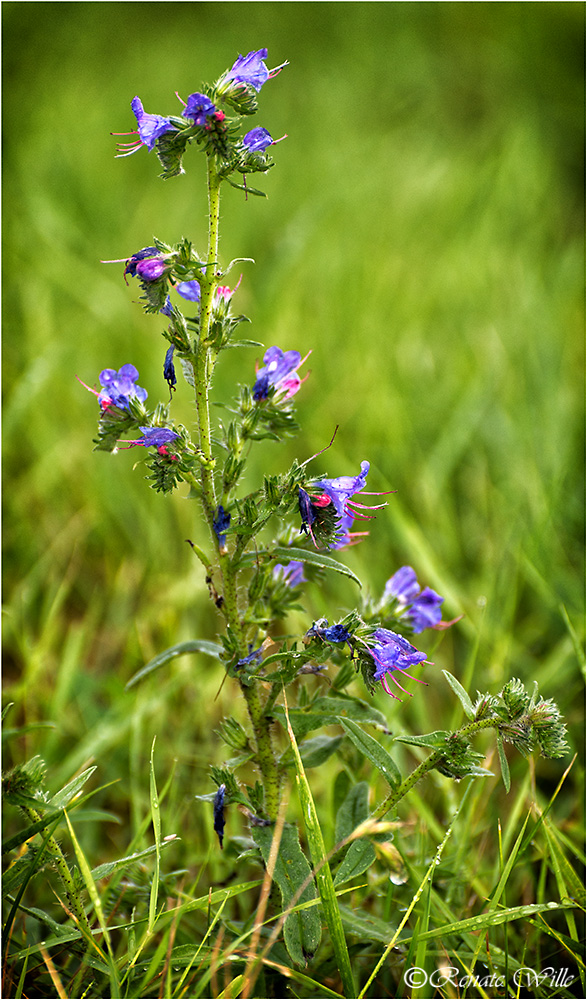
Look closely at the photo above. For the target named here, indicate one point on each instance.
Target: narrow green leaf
(323, 875)
(29, 831)
(191, 646)
(373, 751)
(503, 762)
(433, 740)
(97, 902)
(286, 552)
(102, 871)
(69, 791)
(156, 818)
(302, 931)
(461, 695)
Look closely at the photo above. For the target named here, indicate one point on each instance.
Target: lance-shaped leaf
(373, 751)
(191, 646)
(302, 930)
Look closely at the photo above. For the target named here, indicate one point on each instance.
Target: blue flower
(254, 657)
(293, 573)
(219, 813)
(155, 437)
(278, 373)
(150, 128)
(220, 523)
(169, 367)
(199, 108)
(118, 387)
(189, 290)
(420, 607)
(250, 70)
(258, 139)
(167, 308)
(392, 652)
(330, 633)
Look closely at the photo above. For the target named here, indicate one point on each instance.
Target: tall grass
(424, 237)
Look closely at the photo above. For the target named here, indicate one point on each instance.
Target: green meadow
(423, 236)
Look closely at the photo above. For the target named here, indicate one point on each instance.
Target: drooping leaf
(191, 646)
(285, 552)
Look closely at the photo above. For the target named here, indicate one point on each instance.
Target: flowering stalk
(203, 367)
(255, 578)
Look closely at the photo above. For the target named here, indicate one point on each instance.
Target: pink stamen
(368, 493)
(385, 686)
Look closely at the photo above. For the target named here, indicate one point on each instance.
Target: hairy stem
(65, 876)
(397, 794)
(203, 367)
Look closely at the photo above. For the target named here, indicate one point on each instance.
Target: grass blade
(322, 872)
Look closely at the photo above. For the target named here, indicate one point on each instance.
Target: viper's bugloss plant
(267, 543)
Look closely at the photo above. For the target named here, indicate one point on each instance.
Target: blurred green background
(423, 235)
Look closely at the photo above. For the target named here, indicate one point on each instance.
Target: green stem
(64, 873)
(397, 794)
(203, 366)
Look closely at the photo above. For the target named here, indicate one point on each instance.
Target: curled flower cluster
(247, 75)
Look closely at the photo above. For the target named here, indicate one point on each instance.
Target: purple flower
(220, 523)
(133, 262)
(403, 586)
(118, 387)
(278, 373)
(155, 437)
(258, 139)
(169, 367)
(392, 652)
(150, 128)
(199, 108)
(189, 290)
(293, 573)
(250, 69)
(151, 269)
(341, 491)
(420, 607)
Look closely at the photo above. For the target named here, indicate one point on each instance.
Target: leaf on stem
(191, 646)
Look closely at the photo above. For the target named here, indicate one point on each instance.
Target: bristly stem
(397, 794)
(205, 358)
(62, 869)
